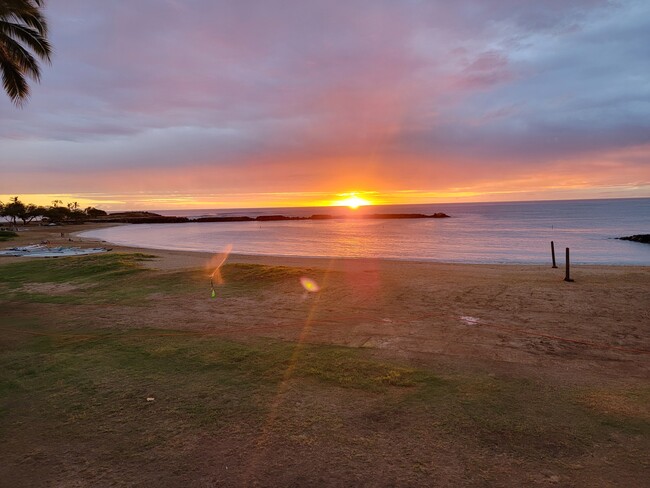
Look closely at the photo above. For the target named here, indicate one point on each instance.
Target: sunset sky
(160, 104)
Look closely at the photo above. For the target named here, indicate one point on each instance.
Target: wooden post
(567, 277)
(553, 254)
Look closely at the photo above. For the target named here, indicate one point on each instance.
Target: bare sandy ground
(503, 321)
(517, 318)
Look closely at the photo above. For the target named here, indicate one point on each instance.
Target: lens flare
(309, 284)
(216, 262)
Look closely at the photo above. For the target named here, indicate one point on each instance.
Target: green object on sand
(214, 294)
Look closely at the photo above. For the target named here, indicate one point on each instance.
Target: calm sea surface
(476, 233)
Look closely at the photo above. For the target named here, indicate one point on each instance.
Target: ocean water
(476, 233)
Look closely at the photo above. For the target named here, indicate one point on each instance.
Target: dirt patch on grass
(631, 404)
(54, 288)
(522, 317)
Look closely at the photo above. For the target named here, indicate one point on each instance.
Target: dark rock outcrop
(152, 218)
(643, 238)
(405, 216)
(272, 218)
(131, 215)
(157, 220)
(139, 218)
(224, 219)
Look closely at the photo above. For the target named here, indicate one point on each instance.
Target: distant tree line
(57, 212)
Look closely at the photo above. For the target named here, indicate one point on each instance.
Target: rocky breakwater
(438, 215)
(153, 218)
(140, 218)
(271, 218)
(643, 238)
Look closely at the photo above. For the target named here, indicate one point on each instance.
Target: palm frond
(9, 6)
(32, 38)
(28, 16)
(23, 28)
(14, 82)
(20, 57)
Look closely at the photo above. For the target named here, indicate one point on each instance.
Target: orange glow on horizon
(530, 187)
(352, 201)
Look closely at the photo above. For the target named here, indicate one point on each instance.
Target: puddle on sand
(467, 320)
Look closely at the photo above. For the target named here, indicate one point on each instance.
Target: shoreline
(329, 258)
(512, 314)
(186, 259)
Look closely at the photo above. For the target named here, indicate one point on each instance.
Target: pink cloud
(282, 95)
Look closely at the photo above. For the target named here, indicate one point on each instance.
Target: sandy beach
(515, 316)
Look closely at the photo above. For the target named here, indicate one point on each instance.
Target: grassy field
(74, 408)
(7, 235)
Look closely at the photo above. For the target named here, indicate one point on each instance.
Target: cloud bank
(207, 97)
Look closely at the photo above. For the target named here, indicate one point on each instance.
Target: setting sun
(353, 201)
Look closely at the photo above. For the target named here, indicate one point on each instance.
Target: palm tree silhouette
(23, 28)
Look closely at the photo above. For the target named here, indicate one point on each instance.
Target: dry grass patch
(633, 404)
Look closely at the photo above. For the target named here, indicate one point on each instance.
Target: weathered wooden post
(567, 277)
(553, 254)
